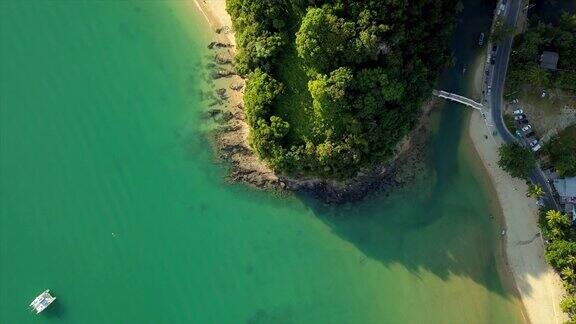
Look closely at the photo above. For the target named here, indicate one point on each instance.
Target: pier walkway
(458, 98)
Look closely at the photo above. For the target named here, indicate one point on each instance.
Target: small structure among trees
(566, 189)
(549, 60)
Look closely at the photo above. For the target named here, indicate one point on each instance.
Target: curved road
(497, 79)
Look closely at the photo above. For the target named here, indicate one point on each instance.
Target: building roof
(566, 187)
(549, 60)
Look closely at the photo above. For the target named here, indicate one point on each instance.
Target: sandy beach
(232, 141)
(215, 13)
(538, 285)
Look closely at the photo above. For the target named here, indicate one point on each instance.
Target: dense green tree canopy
(562, 152)
(334, 85)
(516, 160)
(524, 61)
(559, 252)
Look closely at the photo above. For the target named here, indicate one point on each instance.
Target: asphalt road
(498, 77)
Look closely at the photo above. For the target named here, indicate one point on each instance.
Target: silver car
(527, 128)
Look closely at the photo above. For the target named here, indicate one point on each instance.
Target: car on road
(527, 128)
(519, 117)
(489, 89)
(518, 112)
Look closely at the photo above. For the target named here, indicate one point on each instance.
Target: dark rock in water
(213, 112)
(222, 59)
(377, 179)
(216, 102)
(222, 74)
(229, 128)
(222, 94)
(207, 95)
(219, 45)
(223, 45)
(223, 29)
(237, 86)
(224, 117)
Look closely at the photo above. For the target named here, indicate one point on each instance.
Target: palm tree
(557, 219)
(568, 274)
(568, 304)
(568, 286)
(535, 191)
(556, 233)
(571, 260)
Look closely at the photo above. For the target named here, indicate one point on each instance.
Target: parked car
(518, 133)
(527, 128)
(536, 148)
(518, 112)
(519, 117)
(530, 134)
(515, 101)
(533, 143)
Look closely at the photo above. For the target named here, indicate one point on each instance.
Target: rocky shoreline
(230, 141)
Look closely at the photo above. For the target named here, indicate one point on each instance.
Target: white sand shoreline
(538, 285)
(214, 11)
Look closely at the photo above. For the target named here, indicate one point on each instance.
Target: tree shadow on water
(424, 233)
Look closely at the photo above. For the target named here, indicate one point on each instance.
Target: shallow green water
(109, 195)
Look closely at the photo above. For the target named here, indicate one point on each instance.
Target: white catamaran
(42, 301)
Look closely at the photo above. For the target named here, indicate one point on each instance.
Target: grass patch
(551, 105)
(295, 104)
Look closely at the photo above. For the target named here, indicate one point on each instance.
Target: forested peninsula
(333, 86)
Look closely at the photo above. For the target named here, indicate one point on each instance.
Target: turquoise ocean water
(110, 197)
